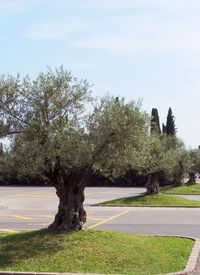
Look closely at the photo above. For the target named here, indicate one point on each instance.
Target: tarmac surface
(27, 208)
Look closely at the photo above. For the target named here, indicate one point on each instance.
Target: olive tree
(195, 164)
(182, 167)
(164, 155)
(39, 115)
(53, 137)
(117, 131)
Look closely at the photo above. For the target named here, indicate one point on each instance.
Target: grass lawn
(191, 189)
(152, 200)
(93, 252)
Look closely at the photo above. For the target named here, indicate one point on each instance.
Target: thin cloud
(118, 5)
(61, 29)
(47, 31)
(141, 33)
(176, 42)
(12, 7)
(157, 37)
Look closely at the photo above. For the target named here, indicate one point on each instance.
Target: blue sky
(147, 49)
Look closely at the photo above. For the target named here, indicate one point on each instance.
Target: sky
(137, 49)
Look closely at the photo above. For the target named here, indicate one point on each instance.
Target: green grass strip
(93, 252)
(192, 189)
(152, 200)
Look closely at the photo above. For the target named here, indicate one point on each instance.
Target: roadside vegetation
(191, 189)
(93, 252)
(152, 200)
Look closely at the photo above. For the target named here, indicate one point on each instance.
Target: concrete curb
(189, 269)
(182, 194)
(149, 206)
(47, 273)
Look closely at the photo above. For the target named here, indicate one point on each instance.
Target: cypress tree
(155, 122)
(163, 128)
(170, 125)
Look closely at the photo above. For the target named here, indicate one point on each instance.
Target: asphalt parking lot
(28, 208)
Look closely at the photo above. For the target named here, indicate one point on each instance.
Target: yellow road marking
(38, 224)
(8, 230)
(21, 217)
(95, 219)
(6, 219)
(89, 218)
(30, 196)
(107, 220)
(40, 193)
(16, 230)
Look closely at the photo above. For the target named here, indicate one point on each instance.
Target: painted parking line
(100, 221)
(88, 218)
(95, 219)
(7, 218)
(30, 196)
(14, 217)
(108, 219)
(48, 216)
(6, 230)
(15, 230)
(36, 195)
(43, 224)
(19, 217)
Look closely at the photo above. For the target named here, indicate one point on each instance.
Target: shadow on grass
(135, 198)
(128, 200)
(22, 246)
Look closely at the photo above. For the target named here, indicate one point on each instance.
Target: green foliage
(43, 113)
(195, 159)
(117, 131)
(166, 155)
(47, 119)
(159, 157)
(163, 128)
(155, 122)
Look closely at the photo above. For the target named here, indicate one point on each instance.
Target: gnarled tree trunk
(192, 178)
(70, 190)
(178, 181)
(152, 184)
(178, 178)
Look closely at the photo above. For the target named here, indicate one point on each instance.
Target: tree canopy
(155, 122)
